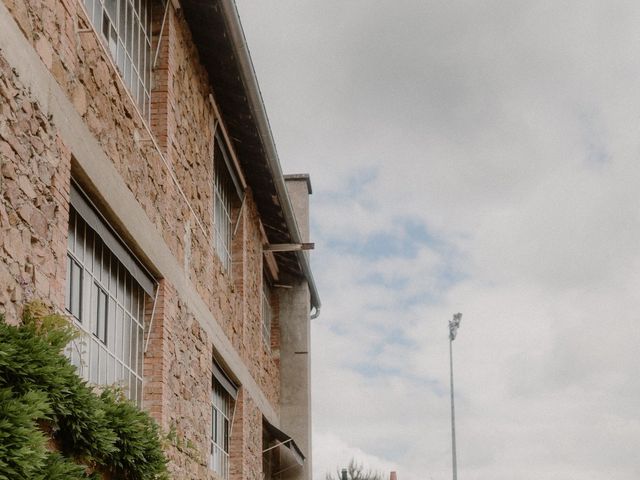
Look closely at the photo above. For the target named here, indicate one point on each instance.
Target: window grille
(221, 412)
(107, 304)
(223, 190)
(125, 29)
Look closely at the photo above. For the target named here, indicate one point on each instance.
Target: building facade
(141, 194)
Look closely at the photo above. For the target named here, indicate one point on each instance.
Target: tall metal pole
(453, 329)
(453, 414)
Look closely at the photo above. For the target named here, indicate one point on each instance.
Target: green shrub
(42, 397)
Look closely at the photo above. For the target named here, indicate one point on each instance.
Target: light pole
(453, 330)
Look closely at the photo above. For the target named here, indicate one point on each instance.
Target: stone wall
(167, 165)
(34, 200)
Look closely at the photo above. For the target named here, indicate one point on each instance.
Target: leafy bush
(43, 400)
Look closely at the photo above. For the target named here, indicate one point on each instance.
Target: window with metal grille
(107, 304)
(223, 189)
(221, 413)
(125, 28)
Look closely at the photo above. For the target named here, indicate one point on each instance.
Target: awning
(106, 233)
(225, 381)
(284, 442)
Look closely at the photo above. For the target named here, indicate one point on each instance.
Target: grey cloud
(510, 129)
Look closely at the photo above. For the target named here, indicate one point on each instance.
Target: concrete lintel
(20, 54)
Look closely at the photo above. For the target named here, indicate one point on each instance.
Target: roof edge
(256, 104)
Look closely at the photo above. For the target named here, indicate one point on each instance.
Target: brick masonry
(167, 165)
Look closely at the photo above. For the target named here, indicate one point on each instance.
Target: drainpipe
(264, 130)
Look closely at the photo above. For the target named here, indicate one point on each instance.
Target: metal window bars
(108, 305)
(125, 28)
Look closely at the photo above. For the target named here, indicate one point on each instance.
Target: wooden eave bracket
(272, 266)
(288, 247)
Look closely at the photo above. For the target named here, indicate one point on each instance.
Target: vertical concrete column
(295, 368)
(299, 188)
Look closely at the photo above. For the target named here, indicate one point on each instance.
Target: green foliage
(59, 467)
(42, 396)
(22, 447)
(139, 450)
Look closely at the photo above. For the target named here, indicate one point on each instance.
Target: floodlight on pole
(454, 324)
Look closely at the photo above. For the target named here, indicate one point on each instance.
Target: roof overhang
(219, 38)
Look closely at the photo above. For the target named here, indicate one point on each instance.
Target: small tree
(355, 471)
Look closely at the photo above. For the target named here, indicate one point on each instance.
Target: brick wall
(167, 165)
(246, 441)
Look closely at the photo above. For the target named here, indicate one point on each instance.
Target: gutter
(256, 104)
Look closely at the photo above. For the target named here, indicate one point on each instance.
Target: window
(266, 312)
(220, 414)
(125, 29)
(106, 301)
(223, 395)
(222, 203)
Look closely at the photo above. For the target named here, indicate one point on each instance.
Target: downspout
(264, 129)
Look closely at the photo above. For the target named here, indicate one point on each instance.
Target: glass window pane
(127, 71)
(141, 93)
(111, 370)
(76, 290)
(80, 234)
(67, 293)
(120, 330)
(112, 263)
(140, 350)
(111, 325)
(138, 396)
(134, 301)
(89, 250)
(120, 375)
(126, 341)
(128, 285)
(130, 31)
(121, 281)
(93, 308)
(71, 237)
(102, 365)
(101, 321)
(135, 47)
(98, 267)
(106, 24)
(132, 386)
(94, 365)
(133, 362)
(113, 41)
(122, 20)
(121, 56)
(111, 7)
(97, 14)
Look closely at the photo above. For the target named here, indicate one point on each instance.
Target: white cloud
(509, 133)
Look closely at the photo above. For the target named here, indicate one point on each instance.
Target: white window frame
(124, 26)
(226, 191)
(105, 297)
(221, 418)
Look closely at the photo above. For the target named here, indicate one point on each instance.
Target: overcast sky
(472, 156)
